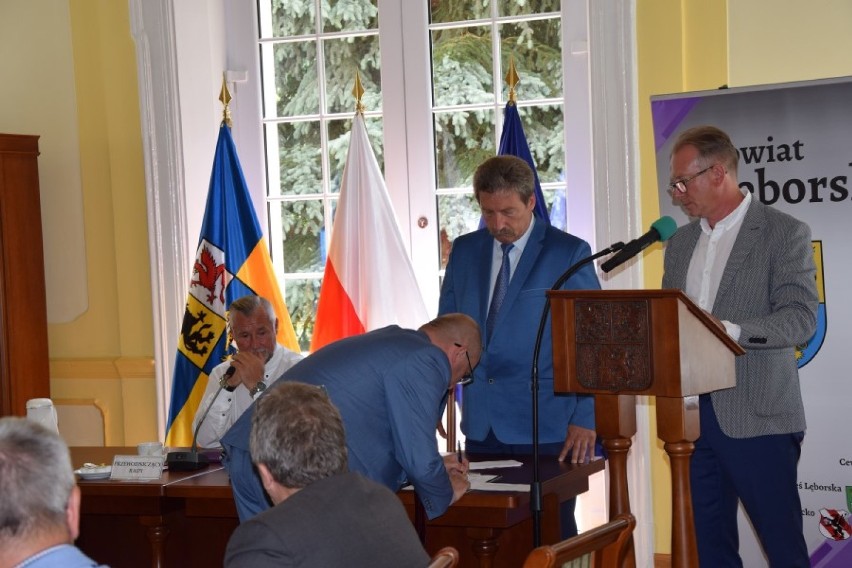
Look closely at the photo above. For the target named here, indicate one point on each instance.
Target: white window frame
(183, 46)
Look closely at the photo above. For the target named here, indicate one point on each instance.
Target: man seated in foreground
(389, 385)
(324, 515)
(40, 503)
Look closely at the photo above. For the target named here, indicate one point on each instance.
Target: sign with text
(137, 467)
(794, 143)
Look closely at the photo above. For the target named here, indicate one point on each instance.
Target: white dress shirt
(230, 405)
(709, 259)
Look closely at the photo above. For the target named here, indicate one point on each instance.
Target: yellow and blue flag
(232, 260)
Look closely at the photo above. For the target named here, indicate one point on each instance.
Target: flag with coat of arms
(232, 260)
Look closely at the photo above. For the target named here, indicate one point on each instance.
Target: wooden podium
(617, 344)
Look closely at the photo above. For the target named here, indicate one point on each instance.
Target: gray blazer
(768, 288)
(343, 520)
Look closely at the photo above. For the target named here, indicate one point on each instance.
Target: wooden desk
(186, 518)
(494, 528)
(147, 523)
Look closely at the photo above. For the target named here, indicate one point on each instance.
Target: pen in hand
(459, 452)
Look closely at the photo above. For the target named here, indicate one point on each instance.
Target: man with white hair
(40, 507)
(258, 363)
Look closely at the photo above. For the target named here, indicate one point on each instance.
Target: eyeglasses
(679, 186)
(468, 378)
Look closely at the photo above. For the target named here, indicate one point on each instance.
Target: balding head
(457, 335)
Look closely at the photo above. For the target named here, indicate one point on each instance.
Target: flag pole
(358, 92)
(225, 97)
(512, 79)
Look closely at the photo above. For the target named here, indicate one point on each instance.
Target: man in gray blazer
(751, 267)
(324, 515)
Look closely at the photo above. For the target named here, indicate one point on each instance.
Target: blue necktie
(500, 288)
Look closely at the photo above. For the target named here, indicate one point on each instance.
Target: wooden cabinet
(24, 367)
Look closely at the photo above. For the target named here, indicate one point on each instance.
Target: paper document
(474, 466)
(483, 482)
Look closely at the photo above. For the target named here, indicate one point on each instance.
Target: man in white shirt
(258, 363)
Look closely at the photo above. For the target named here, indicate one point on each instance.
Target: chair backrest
(601, 547)
(447, 557)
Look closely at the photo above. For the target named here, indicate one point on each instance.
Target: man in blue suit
(752, 268)
(389, 385)
(496, 409)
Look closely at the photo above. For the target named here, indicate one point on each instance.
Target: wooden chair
(447, 557)
(600, 547)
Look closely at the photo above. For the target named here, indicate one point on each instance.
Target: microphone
(230, 372)
(661, 230)
(192, 460)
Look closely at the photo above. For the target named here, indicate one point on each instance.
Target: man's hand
(457, 471)
(251, 369)
(460, 484)
(580, 442)
(452, 463)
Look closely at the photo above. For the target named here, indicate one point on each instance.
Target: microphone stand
(192, 460)
(535, 486)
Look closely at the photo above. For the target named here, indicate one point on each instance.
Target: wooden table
(154, 523)
(494, 528)
(186, 518)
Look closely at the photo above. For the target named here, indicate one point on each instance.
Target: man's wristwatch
(223, 382)
(259, 387)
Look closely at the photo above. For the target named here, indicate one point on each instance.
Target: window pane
(554, 198)
(518, 7)
(458, 214)
(461, 66)
(343, 56)
(458, 10)
(301, 297)
(463, 140)
(536, 48)
(293, 17)
(295, 75)
(299, 158)
(543, 129)
(340, 15)
(303, 224)
(339, 134)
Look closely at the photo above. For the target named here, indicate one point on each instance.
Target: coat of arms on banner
(834, 524)
(807, 351)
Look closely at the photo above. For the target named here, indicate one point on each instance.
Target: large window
(472, 44)
(310, 51)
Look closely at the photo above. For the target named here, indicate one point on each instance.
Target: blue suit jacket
(389, 385)
(499, 398)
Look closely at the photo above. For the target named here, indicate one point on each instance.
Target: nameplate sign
(137, 467)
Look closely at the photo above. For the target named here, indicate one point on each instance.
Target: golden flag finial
(358, 92)
(225, 97)
(512, 79)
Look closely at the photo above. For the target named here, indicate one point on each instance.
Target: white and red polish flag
(368, 282)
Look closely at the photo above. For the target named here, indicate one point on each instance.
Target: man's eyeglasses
(679, 186)
(468, 378)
